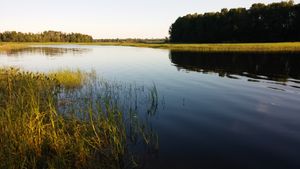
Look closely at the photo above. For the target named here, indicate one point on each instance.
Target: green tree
(260, 23)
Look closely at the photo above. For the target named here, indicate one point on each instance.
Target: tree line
(46, 36)
(276, 22)
(132, 40)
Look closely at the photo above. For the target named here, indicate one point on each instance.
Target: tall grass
(57, 121)
(70, 79)
(4, 46)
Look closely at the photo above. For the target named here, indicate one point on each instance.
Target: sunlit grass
(12, 46)
(38, 132)
(215, 47)
(70, 78)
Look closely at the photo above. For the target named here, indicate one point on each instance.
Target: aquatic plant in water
(71, 119)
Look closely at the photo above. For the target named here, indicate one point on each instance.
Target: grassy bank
(226, 47)
(54, 121)
(220, 48)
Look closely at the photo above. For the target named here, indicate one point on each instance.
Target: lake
(215, 110)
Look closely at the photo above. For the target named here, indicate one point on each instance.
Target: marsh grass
(208, 48)
(12, 46)
(70, 79)
(216, 47)
(59, 120)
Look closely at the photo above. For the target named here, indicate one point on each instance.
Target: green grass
(43, 127)
(12, 46)
(222, 47)
(70, 79)
(217, 47)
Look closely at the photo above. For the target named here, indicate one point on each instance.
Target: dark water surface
(218, 110)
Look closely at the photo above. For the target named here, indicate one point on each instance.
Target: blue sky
(106, 18)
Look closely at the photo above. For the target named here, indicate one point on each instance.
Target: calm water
(218, 110)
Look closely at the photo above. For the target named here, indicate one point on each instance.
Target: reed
(43, 126)
(70, 79)
(5, 46)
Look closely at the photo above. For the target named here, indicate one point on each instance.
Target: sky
(107, 18)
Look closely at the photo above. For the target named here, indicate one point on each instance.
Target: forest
(276, 22)
(46, 36)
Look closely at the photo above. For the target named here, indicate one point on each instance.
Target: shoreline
(280, 47)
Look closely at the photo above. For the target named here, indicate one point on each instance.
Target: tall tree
(260, 23)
